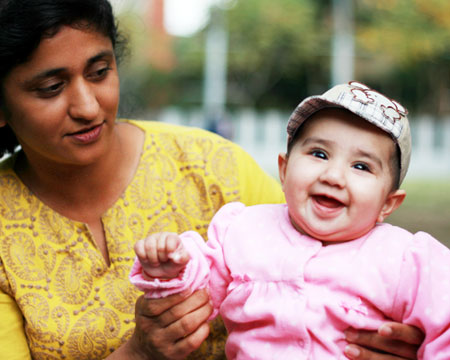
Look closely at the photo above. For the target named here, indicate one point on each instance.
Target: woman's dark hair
(24, 23)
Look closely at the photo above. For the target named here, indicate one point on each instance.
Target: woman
(83, 188)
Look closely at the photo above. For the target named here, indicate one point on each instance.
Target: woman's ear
(393, 201)
(282, 165)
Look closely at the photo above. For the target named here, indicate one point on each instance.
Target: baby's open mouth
(327, 201)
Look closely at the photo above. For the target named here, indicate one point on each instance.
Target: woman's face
(62, 103)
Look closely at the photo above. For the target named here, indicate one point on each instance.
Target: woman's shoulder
(8, 177)
(158, 128)
(187, 144)
(16, 201)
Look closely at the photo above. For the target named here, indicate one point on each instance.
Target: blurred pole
(215, 70)
(343, 48)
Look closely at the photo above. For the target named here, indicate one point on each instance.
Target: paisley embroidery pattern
(13, 197)
(89, 336)
(170, 222)
(73, 282)
(191, 194)
(55, 228)
(19, 251)
(221, 167)
(117, 288)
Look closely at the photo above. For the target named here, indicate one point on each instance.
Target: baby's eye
(319, 154)
(361, 166)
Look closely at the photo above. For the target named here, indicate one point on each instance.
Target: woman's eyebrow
(101, 55)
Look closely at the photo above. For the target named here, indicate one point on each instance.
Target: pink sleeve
(207, 267)
(194, 276)
(423, 297)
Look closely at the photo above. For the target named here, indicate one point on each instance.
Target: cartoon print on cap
(392, 110)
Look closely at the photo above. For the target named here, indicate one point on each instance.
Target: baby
(289, 279)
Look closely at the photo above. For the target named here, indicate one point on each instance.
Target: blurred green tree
(277, 51)
(404, 45)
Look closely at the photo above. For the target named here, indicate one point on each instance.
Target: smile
(328, 202)
(326, 206)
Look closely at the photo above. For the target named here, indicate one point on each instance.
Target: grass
(426, 208)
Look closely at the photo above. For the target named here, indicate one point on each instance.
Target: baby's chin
(328, 236)
(335, 237)
(328, 233)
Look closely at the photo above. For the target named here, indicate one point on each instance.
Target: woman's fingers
(373, 346)
(172, 309)
(360, 353)
(179, 312)
(191, 342)
(194, 329)
(402, 332)
(173, 327)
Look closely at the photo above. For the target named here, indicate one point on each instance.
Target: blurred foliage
(146, 85)
(280, 52)
(276, 52)
(404, 31)
(403, 48)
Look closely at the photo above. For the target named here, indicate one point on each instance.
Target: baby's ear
(282, 164)
(393, 201)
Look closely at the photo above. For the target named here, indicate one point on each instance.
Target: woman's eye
(100, 73)
(50, 90)
(361, 166)
(319, 154)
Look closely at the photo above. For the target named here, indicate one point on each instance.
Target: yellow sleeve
(257, 187)
(13, 342)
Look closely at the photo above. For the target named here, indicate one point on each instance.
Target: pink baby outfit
(283, 295)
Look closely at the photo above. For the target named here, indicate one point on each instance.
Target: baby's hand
(162, 255)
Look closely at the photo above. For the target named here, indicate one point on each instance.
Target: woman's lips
(89, 135)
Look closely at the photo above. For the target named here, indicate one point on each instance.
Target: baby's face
(337, 178)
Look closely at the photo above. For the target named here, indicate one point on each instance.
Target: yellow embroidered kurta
(58, 298)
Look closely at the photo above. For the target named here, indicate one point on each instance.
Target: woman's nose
(83, 103)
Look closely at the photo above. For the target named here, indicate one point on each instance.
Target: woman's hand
(393, 341)
(168, 328)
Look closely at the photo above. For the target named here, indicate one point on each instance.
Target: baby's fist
(162, 255)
